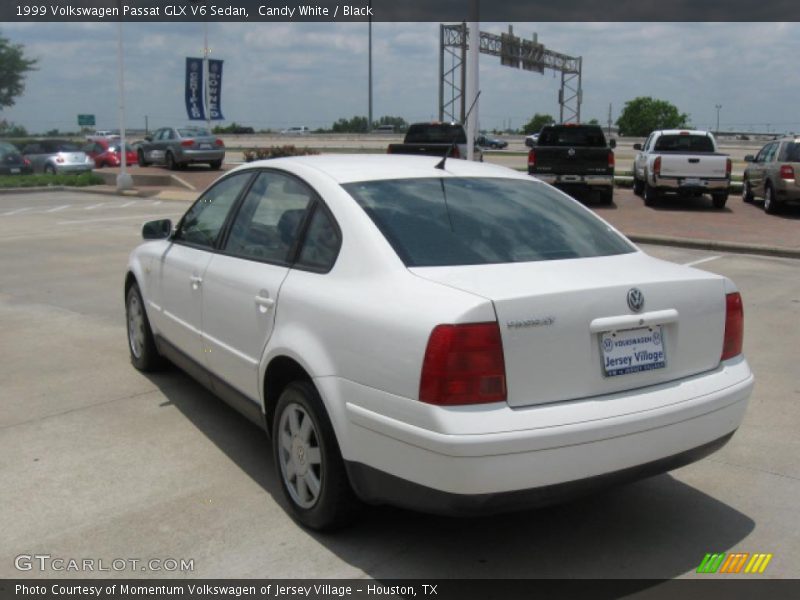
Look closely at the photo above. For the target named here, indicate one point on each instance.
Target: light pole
(124, 180)
(718, 107)
(369, 117)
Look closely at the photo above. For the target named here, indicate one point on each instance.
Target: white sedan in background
(456, 338)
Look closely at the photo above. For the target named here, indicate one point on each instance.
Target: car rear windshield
(572, 136)
(435, 133)
(193, 132)
(435, 222)
(7, 150)
(684, 143)
(791, 152)
(66, 147)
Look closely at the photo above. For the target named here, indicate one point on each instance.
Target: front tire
(747, 192)
(308, 461)
(141, 343)
(141, 159)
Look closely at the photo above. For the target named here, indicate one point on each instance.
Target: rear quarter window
(471, 221)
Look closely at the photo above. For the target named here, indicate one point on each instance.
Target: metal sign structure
(514, 52)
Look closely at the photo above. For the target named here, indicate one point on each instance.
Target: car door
(758, 176)
(242, 283)
(640, 161)
(182, 267)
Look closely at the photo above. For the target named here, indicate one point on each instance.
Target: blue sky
(284, 74)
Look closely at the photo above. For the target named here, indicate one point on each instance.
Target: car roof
(682, 131)
(347, 168)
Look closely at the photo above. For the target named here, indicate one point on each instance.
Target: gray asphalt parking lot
(99, 461)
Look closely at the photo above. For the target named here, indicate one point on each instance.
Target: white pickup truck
(684, 162)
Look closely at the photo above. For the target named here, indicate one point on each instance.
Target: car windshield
(472, 221)
(7, 150)
(436, 133)
(188, 132)
(572, 136)
(684, 143)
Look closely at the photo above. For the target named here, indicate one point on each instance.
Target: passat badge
(635, 299)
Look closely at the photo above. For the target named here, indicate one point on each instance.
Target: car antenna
(440, 164)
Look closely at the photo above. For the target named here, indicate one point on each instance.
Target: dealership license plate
(205, 146)
(14, 171)
(692, 182)
(633, 350)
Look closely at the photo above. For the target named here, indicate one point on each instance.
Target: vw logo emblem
(635, 299)
(571, 151)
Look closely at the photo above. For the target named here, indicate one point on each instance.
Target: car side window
(770, 152)
(204, 221)
(761, 154)
(647, 142)
(321, 244)
(269, 220)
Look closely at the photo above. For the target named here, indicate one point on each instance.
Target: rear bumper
(484, 450)
(587, 181)
(683, 185)
(376, 487)
(202, 155)
(79, 168)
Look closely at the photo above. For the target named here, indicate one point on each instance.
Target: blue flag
(194, 89)
(215, 90)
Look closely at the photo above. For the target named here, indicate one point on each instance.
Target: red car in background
(106, 153)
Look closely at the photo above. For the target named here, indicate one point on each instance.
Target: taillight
(26, 162)
(728, 167)
(187, 143)
(463, 365)
(734, 326)
(657, 166)
(219, 142)
(610, 159)
(531, 159)
(787, 172)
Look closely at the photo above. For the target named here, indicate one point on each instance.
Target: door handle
(264, 303)
(195, 281)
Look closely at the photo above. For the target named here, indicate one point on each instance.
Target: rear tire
(651, 195)
(141, 343)
(50, 170)
(215, 164)
(638, 185)
(607, 196)
(770, 206)
(308, 462)
(719, 200)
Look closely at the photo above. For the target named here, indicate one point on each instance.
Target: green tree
(354, 125)
(12, 129)
(399, 123)
(536, 123)
(645, 114)
(594, 122)
(13, 67)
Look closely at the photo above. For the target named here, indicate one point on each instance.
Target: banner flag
(194, 89)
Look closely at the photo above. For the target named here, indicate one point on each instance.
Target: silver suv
(772, 174)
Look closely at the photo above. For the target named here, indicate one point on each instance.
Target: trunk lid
(555, 315)
(700, 166)
(572, 161)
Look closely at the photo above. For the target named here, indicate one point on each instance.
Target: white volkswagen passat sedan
(455, 338)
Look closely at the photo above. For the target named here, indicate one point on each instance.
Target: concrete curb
(736, 247)
(87, 190)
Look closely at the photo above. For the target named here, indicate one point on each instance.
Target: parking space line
(93, 206)
(82, 221)
(157, 202)
(58, 208)
(17, 211)
(701, 261)
(127, 204)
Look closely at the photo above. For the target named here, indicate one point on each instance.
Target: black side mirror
(157, 230)
(749, 158)
(148, 138)
(612, 144)
(637, 146)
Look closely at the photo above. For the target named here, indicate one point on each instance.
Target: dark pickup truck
(576, 159)
(435, 139)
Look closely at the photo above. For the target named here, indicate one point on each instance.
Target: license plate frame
(628, 351)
